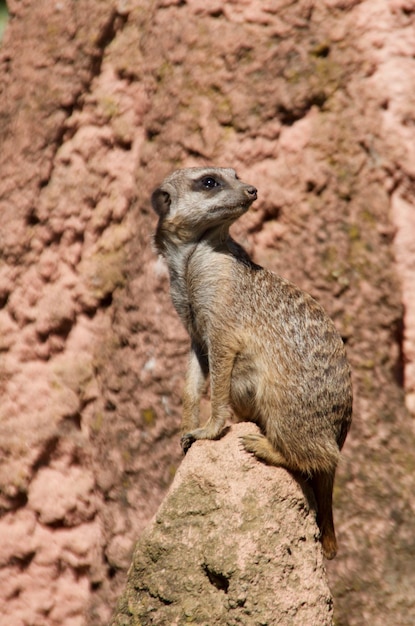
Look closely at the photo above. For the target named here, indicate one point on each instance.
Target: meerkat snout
(252, 192)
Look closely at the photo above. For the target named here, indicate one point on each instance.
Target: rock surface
(312, 102)
(234, 542)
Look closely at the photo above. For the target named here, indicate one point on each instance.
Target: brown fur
(273, 355)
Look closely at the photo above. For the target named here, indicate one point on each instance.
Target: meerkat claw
(186, 442)
(244, 446)
(250, 442)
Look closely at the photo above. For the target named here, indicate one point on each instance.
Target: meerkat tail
(323, 490)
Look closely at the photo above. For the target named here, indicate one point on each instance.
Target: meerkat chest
(208, 288)
(201, 288)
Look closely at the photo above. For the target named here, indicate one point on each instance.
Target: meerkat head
(196, 200)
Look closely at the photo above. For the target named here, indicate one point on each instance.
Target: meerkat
(271, 353)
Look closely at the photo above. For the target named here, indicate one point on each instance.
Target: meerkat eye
(210, 183)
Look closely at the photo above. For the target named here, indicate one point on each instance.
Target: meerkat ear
(160, 201)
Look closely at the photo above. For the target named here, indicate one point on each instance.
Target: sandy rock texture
(222, 551)
(312, 102)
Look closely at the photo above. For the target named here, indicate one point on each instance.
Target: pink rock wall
(388, 43)
(312, 103)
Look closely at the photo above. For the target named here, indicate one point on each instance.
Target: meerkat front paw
(210, 431)
(189, 438)
(186, 442)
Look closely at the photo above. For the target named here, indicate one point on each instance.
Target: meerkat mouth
(226, 209)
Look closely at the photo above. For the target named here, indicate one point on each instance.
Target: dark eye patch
(208, 183)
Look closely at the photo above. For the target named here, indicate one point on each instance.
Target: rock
(55, 312)
(234, 542)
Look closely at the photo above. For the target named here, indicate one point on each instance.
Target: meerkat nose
(252, 192)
